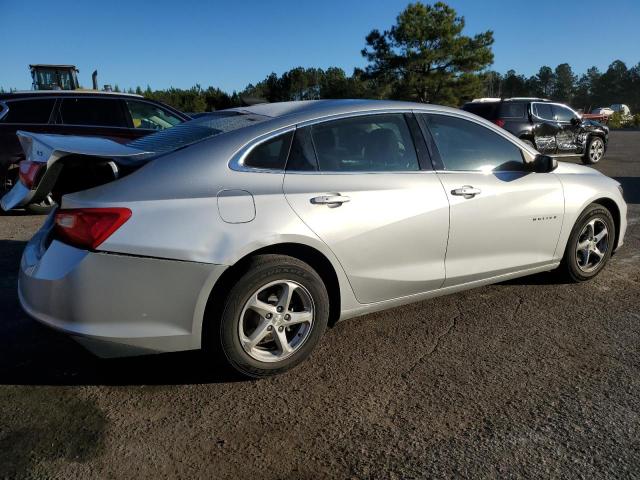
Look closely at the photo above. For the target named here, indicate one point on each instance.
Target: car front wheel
(273, 316)
(590, 244)
(594, 152)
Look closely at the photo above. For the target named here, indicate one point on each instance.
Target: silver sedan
(249, 233)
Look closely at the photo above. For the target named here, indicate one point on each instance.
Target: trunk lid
(86, 161)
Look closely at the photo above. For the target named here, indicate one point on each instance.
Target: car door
(365, 195)
(94, 116)
(503, 218)
(569, 128)
(545, 127)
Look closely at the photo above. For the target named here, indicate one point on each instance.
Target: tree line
(423, 57)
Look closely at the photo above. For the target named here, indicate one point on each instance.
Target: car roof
(480, 101)
(63, 93)
(302, 110)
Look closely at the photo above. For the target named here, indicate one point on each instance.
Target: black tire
(263, 270)
(570, 267)
(589, 157)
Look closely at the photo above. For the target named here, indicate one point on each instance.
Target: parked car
(118, 116)
(551, 128)
(605, 111)
(262, 229)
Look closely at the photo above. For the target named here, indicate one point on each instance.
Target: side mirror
(576, 121)
(544, 164)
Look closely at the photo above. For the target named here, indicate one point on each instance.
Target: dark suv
(552, 128)
(120, 117)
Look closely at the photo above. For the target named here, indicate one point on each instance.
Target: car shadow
(631, 187)
(32, 354)
(544, 278)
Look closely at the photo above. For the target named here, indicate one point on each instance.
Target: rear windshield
(194, 131)
(511, 110)
(482, 109)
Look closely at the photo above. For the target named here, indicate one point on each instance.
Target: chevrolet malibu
(248, 234)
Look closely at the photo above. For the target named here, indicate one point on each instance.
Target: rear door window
(29, 111)
(371, 143)
(302, 157)
(104, 112)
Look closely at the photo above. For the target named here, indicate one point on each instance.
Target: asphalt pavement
(530, 378)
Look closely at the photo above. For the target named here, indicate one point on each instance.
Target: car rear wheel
(590, 244)
(594, 152)
(273, 316)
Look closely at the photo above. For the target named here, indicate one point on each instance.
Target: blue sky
(229, 44)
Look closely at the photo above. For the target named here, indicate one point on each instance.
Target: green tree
(492, 84)
(514, 85)
(564, 84)
(583, 93)
(633, 98)
(614, 85)
(425, 57)
(544, 82)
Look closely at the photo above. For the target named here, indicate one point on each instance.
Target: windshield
(195, 130)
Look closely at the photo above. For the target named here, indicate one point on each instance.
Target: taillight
(89, 227)
(499, 122)
(29, 172)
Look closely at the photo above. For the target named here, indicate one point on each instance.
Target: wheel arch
(613, 208)
(310, 255)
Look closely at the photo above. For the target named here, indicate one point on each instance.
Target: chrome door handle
(466, 191)
(330, 200)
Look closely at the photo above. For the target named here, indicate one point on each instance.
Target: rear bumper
(116, 305)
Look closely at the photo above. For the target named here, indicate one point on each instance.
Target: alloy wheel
(596, 150)
(592, 245)
(276, 321)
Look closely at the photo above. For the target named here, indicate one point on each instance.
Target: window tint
(371, 143)
(302, 156)
(149, 116)
(93, 111)
(465, 145)
(562, 114)
(511, 110)
(271, 155)
(543, 110)
(482, 109)
(29, 111)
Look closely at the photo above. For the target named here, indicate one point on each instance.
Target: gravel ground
(524, 379)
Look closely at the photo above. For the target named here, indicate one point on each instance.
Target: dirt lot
(525, 379)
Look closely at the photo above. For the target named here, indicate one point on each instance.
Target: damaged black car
(552, 128)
